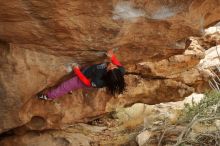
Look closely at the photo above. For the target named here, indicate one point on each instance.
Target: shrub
(207, 107)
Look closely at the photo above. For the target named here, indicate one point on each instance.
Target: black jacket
(96, 73)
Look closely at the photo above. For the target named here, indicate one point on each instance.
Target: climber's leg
(65, 87)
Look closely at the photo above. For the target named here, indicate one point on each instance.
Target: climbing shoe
(43, 96)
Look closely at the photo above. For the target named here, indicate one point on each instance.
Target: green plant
(207, 107)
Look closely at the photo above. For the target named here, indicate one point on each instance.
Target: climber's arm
(113, 58)
(115, 61)
(82, 77)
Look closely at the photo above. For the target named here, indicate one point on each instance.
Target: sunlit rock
(37, 38)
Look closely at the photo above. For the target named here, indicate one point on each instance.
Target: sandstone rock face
(38, 37)
(139, 123)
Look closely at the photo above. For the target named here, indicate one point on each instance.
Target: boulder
(38, 37)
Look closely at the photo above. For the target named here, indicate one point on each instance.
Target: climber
(108, 74)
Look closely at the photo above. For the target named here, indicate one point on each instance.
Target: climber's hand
(69, 67)
(110, 53)
(75, 65)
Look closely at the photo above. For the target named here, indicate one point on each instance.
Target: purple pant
(67, 86)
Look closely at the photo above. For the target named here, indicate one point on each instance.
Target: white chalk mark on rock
(126, 11)
(165, 12)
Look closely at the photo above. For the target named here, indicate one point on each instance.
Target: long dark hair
(115, 82)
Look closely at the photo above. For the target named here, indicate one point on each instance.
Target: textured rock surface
(121, 128)
(38, 37)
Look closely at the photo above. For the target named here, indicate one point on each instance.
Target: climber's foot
(43, 97)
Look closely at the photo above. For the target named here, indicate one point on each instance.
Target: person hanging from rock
(108, 74)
